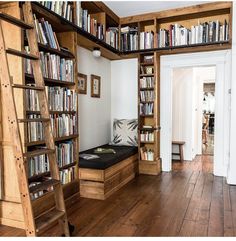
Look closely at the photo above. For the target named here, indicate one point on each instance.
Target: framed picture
(82, 83)
(95, 86)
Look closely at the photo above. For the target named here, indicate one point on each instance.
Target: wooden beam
(177, 12)
(107, 10)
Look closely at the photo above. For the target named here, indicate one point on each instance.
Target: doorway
(219, 59)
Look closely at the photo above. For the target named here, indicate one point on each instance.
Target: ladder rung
(15, 21)
(44, 185)
(22, 54)
(27, 87)
(48, 218)
(38, 152)
(33, 120)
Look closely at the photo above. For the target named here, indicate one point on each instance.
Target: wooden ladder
(33, 225)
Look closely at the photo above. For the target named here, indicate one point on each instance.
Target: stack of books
(147, 82)
(63, 8)
(147, 136)
(146, 40)
(146, 108)
(45, 34)
(206, 32)
(67, 175)
(59, 99)
(129, 38)
(65, 153)
(88, 23)
(112, 34)
(146, 95)
(147, 154)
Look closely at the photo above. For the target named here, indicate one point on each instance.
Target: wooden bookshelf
(151, 120)
(10, 198)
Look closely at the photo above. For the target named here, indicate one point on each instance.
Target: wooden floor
(190, 201)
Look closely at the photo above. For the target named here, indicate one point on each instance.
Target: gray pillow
(125, 132)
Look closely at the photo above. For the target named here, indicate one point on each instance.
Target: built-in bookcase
(59, 70)
(148, 109)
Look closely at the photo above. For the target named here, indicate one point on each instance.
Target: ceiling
(129, 8)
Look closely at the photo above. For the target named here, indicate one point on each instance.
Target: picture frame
(95, 86)
(82, 83)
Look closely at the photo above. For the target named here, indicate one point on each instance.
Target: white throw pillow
(125, 132)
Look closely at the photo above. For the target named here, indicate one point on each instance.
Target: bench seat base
(100, 184)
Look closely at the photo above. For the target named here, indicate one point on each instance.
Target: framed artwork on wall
(95, 86)
(82, 83)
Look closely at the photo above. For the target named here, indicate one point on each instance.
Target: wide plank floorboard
(189, 201)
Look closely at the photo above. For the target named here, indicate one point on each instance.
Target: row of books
(37, 165)
(129, 39)
(63, 8)
(146, 136)
(53, 66)
(147, 95)
(38, 194)
(89, 23)
(146, 69)
(206, 32)
(112, 35)
(147, 82)
(59, 99)
(146, 108)
(147, 154)
(62, 125)
(45, 33)
(40, 164)
(146, 40)
(65, 153)
(67, 175)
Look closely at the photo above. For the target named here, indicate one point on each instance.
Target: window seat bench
(101, 177)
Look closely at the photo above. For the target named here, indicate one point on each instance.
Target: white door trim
(221, 59)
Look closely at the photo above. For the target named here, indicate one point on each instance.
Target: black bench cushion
(107, 160)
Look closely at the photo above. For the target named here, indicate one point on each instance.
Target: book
(146, 40)
(104, 151)
(88, 156)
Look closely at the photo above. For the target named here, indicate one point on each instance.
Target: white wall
(94, 113)
(231, 178)
(182, 109)
(124, 89)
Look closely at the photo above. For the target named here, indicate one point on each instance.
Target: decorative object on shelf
(82, 83)
(95, 86)
(96, 52)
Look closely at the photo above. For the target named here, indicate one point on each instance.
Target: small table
(180, 153)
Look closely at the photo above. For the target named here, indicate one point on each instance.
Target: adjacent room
(117, 119)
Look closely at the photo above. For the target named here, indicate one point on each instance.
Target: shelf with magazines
(148, 106)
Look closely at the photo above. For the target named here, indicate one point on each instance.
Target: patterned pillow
(125, 132)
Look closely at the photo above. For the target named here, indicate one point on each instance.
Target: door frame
(220, 59)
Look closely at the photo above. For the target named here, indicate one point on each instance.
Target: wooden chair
(180, 153)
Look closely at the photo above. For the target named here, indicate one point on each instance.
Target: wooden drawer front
(91, 174)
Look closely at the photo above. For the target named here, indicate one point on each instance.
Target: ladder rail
(44, 111)
(13, 125)
(32, 226)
